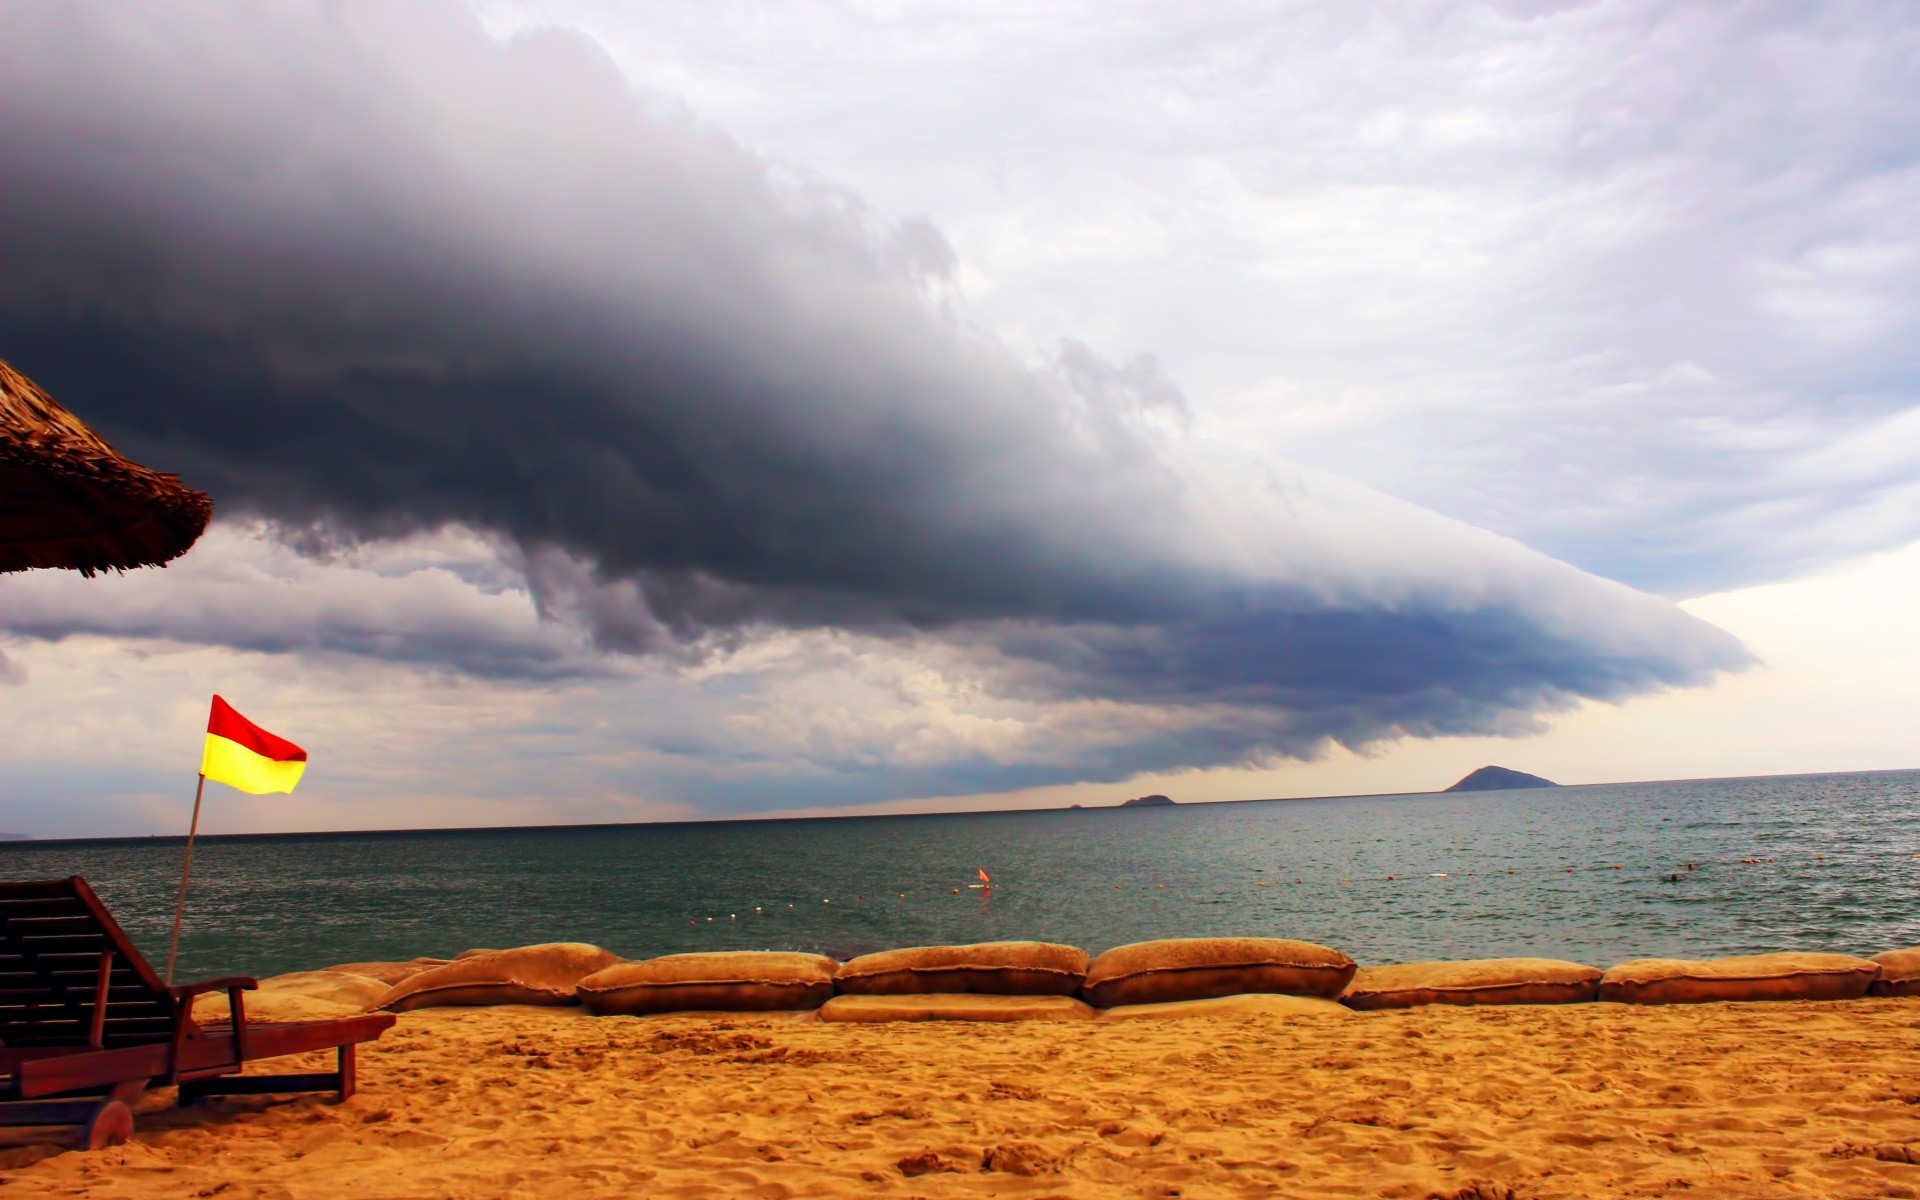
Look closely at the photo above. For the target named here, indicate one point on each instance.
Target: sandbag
(1256, 1005)
(954, 1007)
(1899, 973)
(1754, 977)
(727, 981)
(1202, 968)
(545, 974)
(990, 968)
(1476, 981)
(391, 972)
(297, 996)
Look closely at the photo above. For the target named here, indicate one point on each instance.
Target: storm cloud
(367, 274)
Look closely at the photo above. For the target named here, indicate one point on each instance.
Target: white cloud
(1613, 279)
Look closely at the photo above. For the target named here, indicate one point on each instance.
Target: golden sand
(1590, 1100)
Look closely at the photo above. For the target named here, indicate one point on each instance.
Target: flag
(242, 755)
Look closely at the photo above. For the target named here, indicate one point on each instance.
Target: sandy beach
(1592, 1100)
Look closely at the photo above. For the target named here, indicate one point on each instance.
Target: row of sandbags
(1050, 976)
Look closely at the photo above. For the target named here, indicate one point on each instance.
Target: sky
(624, 412)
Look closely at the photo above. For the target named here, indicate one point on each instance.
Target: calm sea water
(1475, 875)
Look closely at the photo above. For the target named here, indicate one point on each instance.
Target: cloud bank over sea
(501, 369)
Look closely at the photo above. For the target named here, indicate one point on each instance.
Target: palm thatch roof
(68, 500)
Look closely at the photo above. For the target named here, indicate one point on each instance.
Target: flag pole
(180, 906)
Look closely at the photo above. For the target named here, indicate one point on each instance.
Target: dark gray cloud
(364, 273)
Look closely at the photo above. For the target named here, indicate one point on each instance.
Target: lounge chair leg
(111, 1125)
(349, 1073)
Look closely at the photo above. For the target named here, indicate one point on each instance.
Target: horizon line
(20, 840)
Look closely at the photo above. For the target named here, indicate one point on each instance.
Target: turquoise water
(1838, 872)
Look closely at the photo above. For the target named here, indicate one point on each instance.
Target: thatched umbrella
(68, 500)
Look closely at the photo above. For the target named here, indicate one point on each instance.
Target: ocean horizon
(1595, 873)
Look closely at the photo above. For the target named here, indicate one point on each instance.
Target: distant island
(1147, 802)
(16, 837)
(1499, 779)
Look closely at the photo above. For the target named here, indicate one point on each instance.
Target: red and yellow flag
(242, 755)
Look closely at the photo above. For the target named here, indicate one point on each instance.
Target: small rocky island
(1147, 802)
(1500, 779)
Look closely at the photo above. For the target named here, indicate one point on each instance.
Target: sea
(1596, 874)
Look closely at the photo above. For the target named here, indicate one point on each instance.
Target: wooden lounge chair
(86, 1026)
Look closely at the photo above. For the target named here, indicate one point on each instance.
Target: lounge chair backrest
(55, 939)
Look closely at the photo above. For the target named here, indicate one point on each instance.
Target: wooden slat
(21, 1023)
(12, 889)
(124, 1019)
(40, 978)
(75, 1036)
(21, 1026)
(30, 926)
(291, 1037)
(92, 1069)
(62, 944)
(11, 996)
(65, 906)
